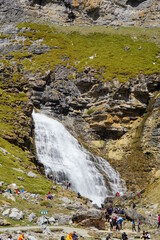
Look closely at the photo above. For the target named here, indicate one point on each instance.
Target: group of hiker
(16, 191)
(115, 221)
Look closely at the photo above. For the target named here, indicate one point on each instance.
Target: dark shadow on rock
(134, 3)
(94, 14)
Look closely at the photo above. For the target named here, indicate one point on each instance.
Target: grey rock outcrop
(31, 217)
(16, 214)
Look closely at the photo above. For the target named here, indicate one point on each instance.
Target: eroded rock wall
(98, 12)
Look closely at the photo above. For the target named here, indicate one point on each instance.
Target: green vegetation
(90, 111)
(120, 54)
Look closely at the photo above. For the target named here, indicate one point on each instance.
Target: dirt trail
(66, 229)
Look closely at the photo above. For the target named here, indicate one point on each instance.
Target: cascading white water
(61, 153)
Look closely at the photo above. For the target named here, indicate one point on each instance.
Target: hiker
(139, 225)
(107, 216)
(124, 236)
(114, 221)
(69, 236)
(9, 191)
(144, 236)
(21, 237)
(79, 195)
(120, 221)
(108, 237)
(148, 235)
(122, 211)
(133, 226)
(117, 224)
(139, 194)
(68, 184)
(134, 205)
(49, 196)
(117, 194)
(111, 224)
(110, 210)
(74, 236)
(159, 221)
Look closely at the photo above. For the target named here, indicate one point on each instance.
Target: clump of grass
(90, 111)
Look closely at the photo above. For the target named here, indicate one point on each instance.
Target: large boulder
(132, 214)
(31, 217)
(6, 212)
(91, 217)
(16, 214)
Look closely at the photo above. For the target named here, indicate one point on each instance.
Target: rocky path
(67, 229)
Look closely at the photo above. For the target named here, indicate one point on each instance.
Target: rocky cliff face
(98, 12)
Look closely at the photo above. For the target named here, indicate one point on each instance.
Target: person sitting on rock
(69, 236)
(144, 236)
(148, 235)
(124, 236)
(49, 196)
(21, 237)
(74, 236)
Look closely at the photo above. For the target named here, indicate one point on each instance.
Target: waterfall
(61, 154)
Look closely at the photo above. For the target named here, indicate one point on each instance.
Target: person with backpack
(124, 236)
(74, 236)
(21, 237)
(133, 226)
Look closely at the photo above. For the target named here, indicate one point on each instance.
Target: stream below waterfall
(66, 159)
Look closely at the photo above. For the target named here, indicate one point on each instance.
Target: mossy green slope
(121, 56)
